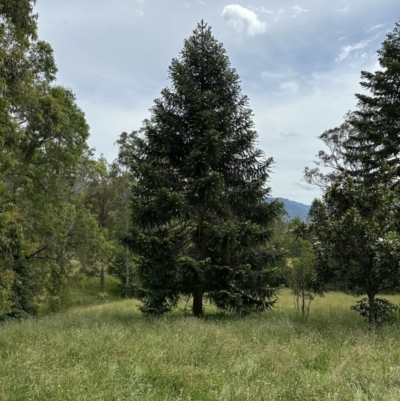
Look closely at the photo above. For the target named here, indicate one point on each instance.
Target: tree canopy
(44, 225)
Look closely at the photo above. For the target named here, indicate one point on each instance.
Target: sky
(299, 63)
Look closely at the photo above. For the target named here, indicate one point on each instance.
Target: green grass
(84, 291)
(111, 352)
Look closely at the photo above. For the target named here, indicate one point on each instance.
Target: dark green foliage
(375, 124)
(356, 228)
(385, 311)
(19, 14)
(23, 295)
(200, 220)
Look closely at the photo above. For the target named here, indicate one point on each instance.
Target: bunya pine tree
(376, 122)
(200, 221)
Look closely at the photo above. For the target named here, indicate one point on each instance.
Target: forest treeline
(182, 211)
(61, 210)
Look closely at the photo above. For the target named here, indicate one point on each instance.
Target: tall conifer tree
(199, 213)
(376, 122)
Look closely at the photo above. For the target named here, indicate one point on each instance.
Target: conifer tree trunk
(198, 303)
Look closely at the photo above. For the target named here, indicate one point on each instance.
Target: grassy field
(111, 352)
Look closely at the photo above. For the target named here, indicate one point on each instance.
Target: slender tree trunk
(127, 277)
(126, 271)
(198, 303)
(371, 317)
(102, 278)
(198, 292)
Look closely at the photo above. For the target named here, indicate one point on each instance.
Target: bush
(385, 311)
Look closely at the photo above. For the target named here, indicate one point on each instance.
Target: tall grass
(111, 352)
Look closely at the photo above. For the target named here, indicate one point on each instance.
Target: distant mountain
(294, 209)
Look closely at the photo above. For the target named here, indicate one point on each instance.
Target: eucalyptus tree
(43, 137)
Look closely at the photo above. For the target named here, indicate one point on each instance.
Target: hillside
(294, 209)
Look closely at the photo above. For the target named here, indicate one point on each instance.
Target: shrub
(385, 311)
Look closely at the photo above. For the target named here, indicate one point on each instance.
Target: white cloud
(345, 9)
(289, 135)
(298, 9)
(373, 28)
(283, 73)
(263, 10)
(243, 20)
(290, 87)
(346, 50)
(139, 13)
(276, 15)
(323, 102)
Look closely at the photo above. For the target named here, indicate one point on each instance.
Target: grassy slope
(110, 352)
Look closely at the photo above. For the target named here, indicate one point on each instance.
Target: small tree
(357, 222)
(303, 279)
(385, 311)
(357, 227)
